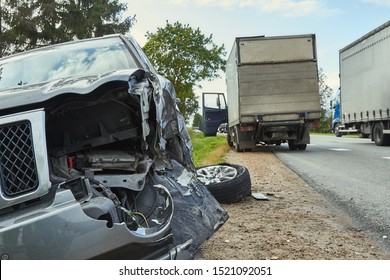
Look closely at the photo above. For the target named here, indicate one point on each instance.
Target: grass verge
(208, 150)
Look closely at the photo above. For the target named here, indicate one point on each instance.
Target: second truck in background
(365, 87)
(272, 91)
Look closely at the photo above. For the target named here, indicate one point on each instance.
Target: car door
(214, 112)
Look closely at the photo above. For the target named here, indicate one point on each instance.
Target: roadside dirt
(295, 223)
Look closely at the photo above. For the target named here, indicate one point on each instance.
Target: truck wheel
(229, 139)
(380, 138)
(336, 131)
(236, 145)
(237, 148)
(228, 183)
(302, 147)
(293, 147)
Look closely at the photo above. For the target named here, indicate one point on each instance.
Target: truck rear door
(214, 112)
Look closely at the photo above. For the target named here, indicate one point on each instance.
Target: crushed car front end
(97, 164)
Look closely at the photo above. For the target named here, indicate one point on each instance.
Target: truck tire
(294, 147)
(336, 131)
(229, 139)
(237, 148)
(236, 144)
(228, 183)
(379, 137)
(302, 147)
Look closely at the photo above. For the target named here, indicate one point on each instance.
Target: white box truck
(272, 91)
(365, 86)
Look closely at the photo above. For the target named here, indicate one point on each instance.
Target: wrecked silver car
(95, 159)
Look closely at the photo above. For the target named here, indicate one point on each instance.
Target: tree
(325, 93)
(27, 24)
(197, 122)
(90, 18)
(186, 57)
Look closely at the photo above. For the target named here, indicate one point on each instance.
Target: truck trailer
(365, 86)
(272, 91)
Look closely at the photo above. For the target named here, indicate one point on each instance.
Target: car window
(67, 60)
(214, 101)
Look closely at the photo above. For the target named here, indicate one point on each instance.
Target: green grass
(208, 150)
(212, 150)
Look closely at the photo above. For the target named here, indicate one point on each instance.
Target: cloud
(288, 8)
(378, 2)
(285, 7)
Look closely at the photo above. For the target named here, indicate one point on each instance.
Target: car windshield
(63, 61)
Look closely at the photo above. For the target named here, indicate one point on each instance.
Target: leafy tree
(26, 24)
(186, 57)
(325, 93)
(89, 18)
(18, 17)
(197, 122)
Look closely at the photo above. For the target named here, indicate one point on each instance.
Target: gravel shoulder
(294, 223)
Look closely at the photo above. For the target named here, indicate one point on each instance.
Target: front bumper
(63, 231)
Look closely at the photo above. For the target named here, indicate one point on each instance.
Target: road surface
(352, 173)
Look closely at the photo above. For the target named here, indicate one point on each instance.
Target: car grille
(18, 170)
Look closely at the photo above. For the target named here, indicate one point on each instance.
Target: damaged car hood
(32, 94)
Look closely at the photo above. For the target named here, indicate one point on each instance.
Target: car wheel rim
(216, 174)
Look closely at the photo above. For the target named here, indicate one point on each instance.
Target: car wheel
(209, 134)
(228, 183)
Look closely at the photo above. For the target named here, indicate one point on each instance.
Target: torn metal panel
(259, 196)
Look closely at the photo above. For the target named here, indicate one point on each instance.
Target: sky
(336, 23)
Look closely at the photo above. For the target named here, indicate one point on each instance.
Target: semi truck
(272, 92)
(365, 87)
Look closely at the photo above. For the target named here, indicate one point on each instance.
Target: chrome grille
(18, 170)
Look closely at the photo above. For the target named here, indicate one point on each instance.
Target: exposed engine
(96, 151)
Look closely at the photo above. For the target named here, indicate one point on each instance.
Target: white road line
(386, 157)
(340, 149)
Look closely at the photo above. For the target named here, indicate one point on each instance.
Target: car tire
(209, 134)
(228, 183)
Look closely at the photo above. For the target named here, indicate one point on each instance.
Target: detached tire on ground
(228, 183)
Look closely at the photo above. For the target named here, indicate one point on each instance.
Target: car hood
(167, 114)
(30, 94)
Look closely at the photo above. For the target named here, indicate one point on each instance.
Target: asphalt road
(353, 174)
